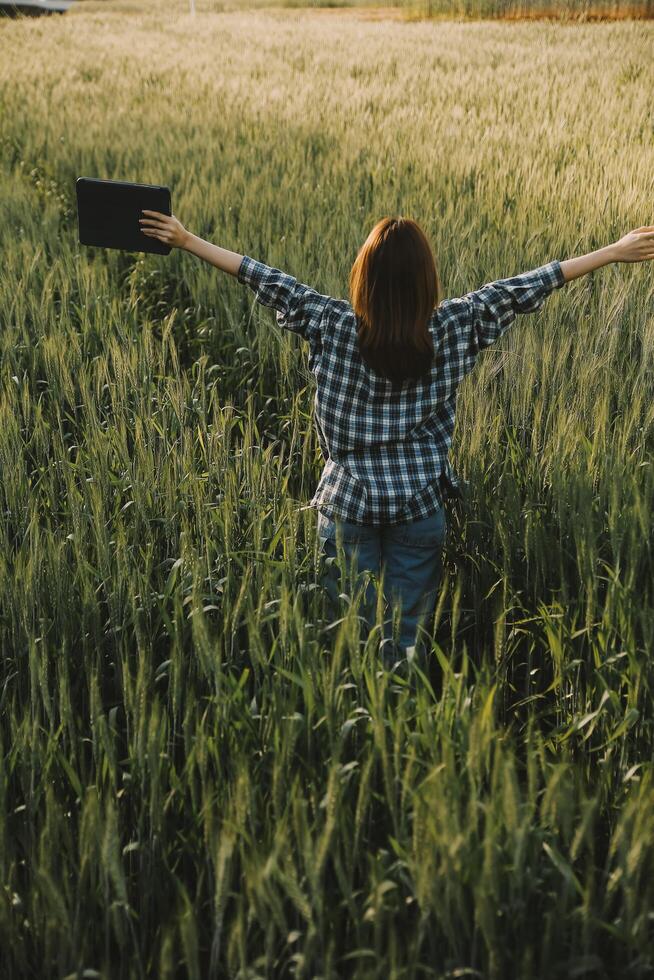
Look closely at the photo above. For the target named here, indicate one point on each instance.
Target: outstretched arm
(635, 246)
(169, 229)
(494, 307)
(299, 307)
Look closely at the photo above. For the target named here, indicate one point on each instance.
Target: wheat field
(200, 774)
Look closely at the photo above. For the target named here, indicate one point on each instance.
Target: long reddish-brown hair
(394, 288)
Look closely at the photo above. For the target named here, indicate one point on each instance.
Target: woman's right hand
(636, 245)
(166, 227)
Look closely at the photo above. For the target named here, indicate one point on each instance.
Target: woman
(387, 367)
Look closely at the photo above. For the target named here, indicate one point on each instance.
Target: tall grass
(200, 775)
(563, 10)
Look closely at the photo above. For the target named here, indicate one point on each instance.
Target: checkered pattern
(385, 444)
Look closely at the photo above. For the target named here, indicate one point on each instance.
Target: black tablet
(108, 213)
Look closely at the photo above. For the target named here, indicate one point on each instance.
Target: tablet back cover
(108, 213)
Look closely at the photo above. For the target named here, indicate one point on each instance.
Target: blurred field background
(199, 775)
(580, 11)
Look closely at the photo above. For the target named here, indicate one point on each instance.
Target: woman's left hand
(166, 227)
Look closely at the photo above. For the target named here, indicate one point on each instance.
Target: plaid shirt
(386, 445)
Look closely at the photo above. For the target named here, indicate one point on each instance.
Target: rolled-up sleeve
(299, 307)
(494, 307)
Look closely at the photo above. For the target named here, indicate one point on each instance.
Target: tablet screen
(108, 213)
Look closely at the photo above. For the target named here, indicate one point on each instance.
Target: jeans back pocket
(426, 532)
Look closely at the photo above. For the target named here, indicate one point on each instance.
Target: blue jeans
(408, 555)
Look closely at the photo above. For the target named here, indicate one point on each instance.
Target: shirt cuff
(247, 271)
(553, 274)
